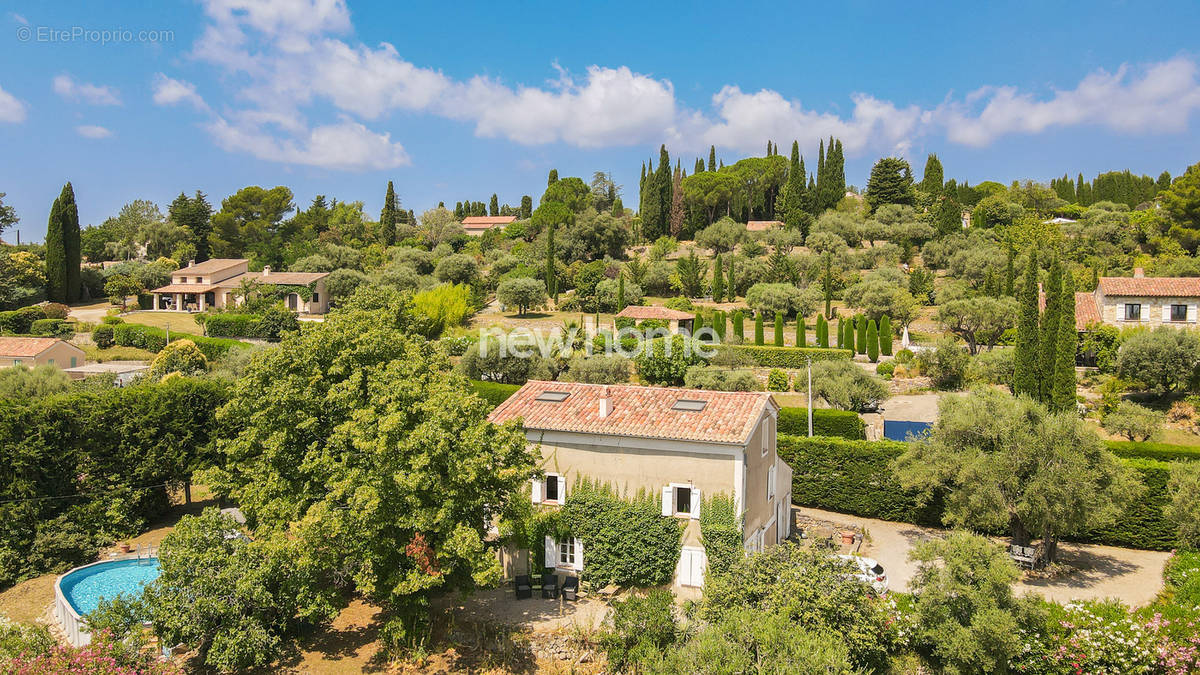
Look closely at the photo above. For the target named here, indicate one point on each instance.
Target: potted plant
(125, 547)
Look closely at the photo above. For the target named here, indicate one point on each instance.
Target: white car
(870, 572)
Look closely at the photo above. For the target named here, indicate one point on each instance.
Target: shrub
(945, 364)
(663, 363)
(1162, 452)
(103, 336)
(626, 541)
(612, 369)
(20, 320)
(777, 380)
(639, 629)
(1184, 508)
(721, 379)
(56, 310)
(50, 327)
(228, 324)
(1135, 422)
(1161, 360)
(181, 356)
(885, 370)
(774, 299)
(790, 357)
(493, 392)
(845, 386)
(154, 339)
(112, 320)
(903, 356)
(996, 366)
(826, 422)
(489, 361)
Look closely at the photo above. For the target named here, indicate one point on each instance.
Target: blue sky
(457, 101)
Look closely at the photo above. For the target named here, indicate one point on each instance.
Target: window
(553, 488)
(316, 297)
(566, 553)
(183, 280)
(689, 405)
(72, 361)
(683, 501)
(50, 361)
(1133, 312)
(1179, 312)
(552, 396)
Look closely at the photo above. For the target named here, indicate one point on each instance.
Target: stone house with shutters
(682, 444)
(1140, 301)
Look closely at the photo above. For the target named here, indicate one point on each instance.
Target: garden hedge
(826, 422)
(1164, 452)
(790, 357)
(20, 320)
(494, 392)
(50, 327)
(850, 476)
(154, 339)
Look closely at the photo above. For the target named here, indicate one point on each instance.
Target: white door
(690, 570)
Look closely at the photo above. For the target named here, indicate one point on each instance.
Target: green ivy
(721, 533)
(626, 542)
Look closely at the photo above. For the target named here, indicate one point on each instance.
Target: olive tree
(978, 321)
(523, 293)
(1008, 463)
(1162, 359)
(1135, 422)
(846, 386)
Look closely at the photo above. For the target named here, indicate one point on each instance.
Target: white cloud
(1161, 99)
(12, 109)
(66, 87)
(169, 91)
(285, 57)
(346, 145)
(92, 131)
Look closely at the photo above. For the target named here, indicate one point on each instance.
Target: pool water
(84, 588)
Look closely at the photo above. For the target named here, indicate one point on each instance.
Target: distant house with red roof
(679, 444)
(216, 283)
(763, 225)
(674, 318)
(39, 351)
(477, 225)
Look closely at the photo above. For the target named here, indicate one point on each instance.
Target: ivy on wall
(720, 532)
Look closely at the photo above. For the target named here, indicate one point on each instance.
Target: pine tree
(739, 326)
(620, 291)
(195, 215)
(1048, 335)
(551, 269)
(718, 280)
(387, 217)
(860, 338)
(933, 177)
(1063, 390)
(885, 335)
(1026, 379)
(778, 329)
(712, 158)
(872, 341)
(56, 255)
(494, 206)
(758, 329)
(801, 332)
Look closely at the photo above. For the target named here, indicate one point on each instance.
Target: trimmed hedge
(50, 327)
(494, 392)
(1163, 452)
(229, 325)
(20, 320)
(854, 477)
(826, 422)
(154, 339)
(790, 357)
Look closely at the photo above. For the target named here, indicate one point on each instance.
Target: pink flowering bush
(102, 657)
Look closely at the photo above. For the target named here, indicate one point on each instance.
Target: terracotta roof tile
(486, 222)
(640, 312)
(1086, 310)
(211, 265)
(645, 412)
(25, 346)
(1151, 286)
(185, 288)
(763, 225)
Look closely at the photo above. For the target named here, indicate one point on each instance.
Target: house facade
(1140, 301)
(39, 351)
(680, 444)
(216, 283)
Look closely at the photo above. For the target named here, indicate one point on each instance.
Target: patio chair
(523, 587)
(570, 588)
(549, 586)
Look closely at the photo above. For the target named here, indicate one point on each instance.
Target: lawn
(181, 322)
(115, 353)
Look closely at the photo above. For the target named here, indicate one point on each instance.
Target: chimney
(191, 263)
(1139, 273)
(605, 403)
(266, 270)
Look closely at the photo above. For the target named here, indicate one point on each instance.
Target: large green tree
(933, 176)
(890, 182)
(194, 214)
(63, 248)
(1027, 375)
(1002, 462)
(1048, 330)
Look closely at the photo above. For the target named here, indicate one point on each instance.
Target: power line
(81, 494)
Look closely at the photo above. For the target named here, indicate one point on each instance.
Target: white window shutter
(1166, 312)
(695, 503)
(578, 556)
(1191, 313)
(537, 491)
(551, 552)
(667, 507)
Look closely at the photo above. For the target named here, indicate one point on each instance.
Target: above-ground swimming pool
(79, 591)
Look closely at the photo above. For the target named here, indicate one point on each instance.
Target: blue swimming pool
(83, 588)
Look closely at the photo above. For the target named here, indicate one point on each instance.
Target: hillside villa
(216, 283)
(681, 444)
(672, 318)
(477, 225)
(1140, 301)
(39, 351)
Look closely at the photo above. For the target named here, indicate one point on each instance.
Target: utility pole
(168, 325)
(810, 430)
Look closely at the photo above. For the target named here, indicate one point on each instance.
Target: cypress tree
(849, 339)
(778, 329)
(526, 207)
(662, 181)
(739, 326)
(618, 209)
(552, 178)
(712, 158)
(718, 280)
(719, 324)
(821, 180)
(56, 255)
(620, 291)
(1048, 335)
(72, 245)
(651, 211)
(841, 333)
(458, 211)
(697, 323)
(758, 329)
(731, 287)
(1026, 379)
(933, 177)
(1063, 389)
(494, 206)
(861, 334)
(872, 341)
(387, 217)
(1010, 275)
(827, 283)
(885, 335)
(822, 331)
(801, 332)
(551, 269)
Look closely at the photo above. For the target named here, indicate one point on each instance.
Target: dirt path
(1130, 575)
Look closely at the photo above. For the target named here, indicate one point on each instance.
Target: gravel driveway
(1130, 575)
